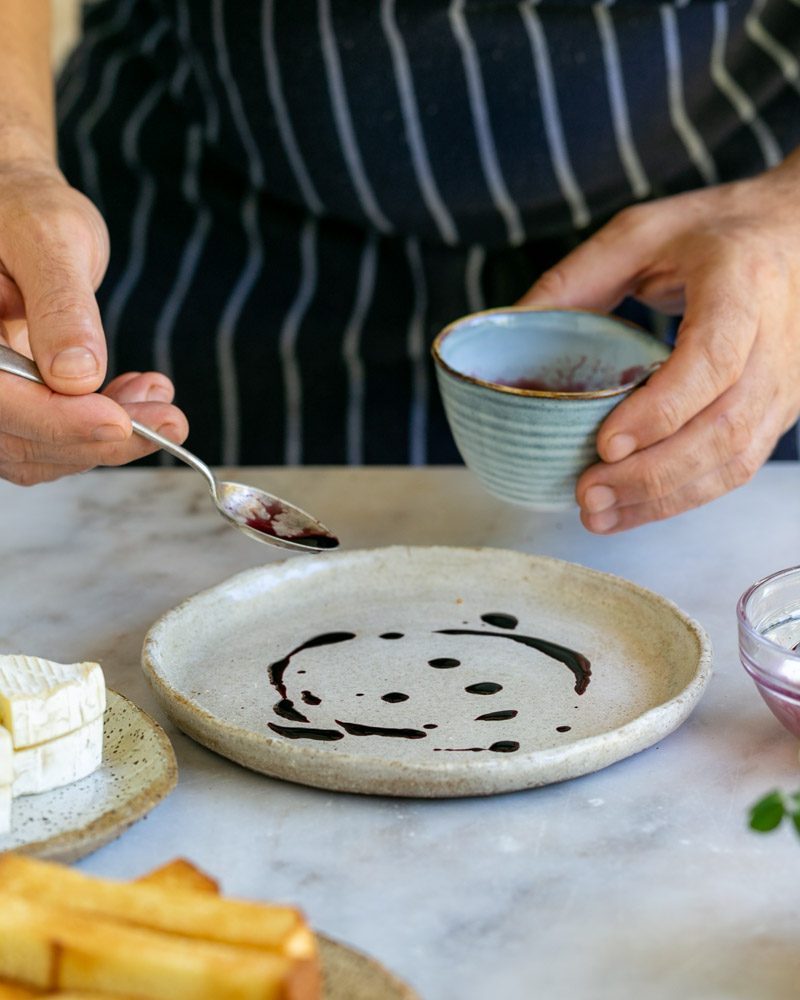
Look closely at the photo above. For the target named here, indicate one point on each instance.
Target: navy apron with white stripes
(300, 193)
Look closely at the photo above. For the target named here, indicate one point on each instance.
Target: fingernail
(159, 394)
(74, 362)
(599, 498)
(604, 522)
(169, 431)
(619, 447)
(109, 432)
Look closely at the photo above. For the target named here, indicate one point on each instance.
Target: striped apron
(300, 193)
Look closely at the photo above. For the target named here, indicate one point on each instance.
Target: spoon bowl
(260, 515)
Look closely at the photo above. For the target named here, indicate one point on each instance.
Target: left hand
(728, 259)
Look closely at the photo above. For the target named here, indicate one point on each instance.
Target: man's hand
(53, 254)
(728, 259)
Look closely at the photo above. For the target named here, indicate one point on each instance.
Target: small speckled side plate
(138, 770)
(350, 975)
(209, 663)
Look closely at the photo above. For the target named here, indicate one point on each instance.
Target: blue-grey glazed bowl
(526, 391)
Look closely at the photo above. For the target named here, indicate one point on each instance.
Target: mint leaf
(768, 813)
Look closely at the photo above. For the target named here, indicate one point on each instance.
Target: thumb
(600, 272)
(64, 327)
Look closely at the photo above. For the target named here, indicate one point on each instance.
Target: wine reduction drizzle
(499, 619)
(484, 687)
(506, 713)
(357, 729)
(266, 524)
(575, 661)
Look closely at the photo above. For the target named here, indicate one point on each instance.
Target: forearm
(27, 128)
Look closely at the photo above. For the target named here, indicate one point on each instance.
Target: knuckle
(551, 283)
(628, 220)
(657, 481)
(13, 450)
(740, 470)
(667, 414)
(734, 433)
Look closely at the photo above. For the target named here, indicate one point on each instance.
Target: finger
(11, 303)
(30, 475)
(140, 387)
(54, 267)
(605, 268)
(166, 419)
(709, 440)
(701, 491)
(34, 412)
(714, 342)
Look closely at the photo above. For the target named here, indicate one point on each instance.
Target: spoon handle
(17, 364)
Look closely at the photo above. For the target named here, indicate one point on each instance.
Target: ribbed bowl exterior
(527, 450)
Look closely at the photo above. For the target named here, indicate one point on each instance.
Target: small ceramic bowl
(526, 391)
(769, 642)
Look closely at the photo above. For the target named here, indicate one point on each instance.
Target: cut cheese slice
(41, 700)
(5, 808)
(60, 761)
(6, 757)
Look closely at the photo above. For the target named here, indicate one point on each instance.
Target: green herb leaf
(768, 812)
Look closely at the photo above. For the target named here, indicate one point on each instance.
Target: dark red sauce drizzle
(502, 746)
(356, 729)
(484, 687)
(499, 619)
(507, 713)
(575, 661)
(295, 733)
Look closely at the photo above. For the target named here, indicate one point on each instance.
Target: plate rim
(402, 989)
(636, 734)
(71, 845)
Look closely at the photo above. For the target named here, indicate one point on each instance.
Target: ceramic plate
(138, 770)
(427, 671)
(350, 975)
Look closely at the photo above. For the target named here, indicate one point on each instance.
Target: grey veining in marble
(638, 881)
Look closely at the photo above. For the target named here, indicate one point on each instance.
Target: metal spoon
(260, 515)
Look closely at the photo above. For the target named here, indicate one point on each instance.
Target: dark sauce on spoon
(267, 523)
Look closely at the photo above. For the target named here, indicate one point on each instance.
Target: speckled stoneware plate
(350, 975)
(427, 671)
(138, 770)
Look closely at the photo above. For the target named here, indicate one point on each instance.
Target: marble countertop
(641, 880)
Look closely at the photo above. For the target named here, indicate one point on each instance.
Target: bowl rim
(744, 621)
(514, 390)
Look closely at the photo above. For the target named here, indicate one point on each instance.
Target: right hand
(53, 255)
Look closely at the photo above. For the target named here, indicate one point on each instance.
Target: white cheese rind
(5, 808)
(6, 757)
(60, 761)
(41, 700)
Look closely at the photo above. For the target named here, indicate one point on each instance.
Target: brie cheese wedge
(58, 762)
(41, 700)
